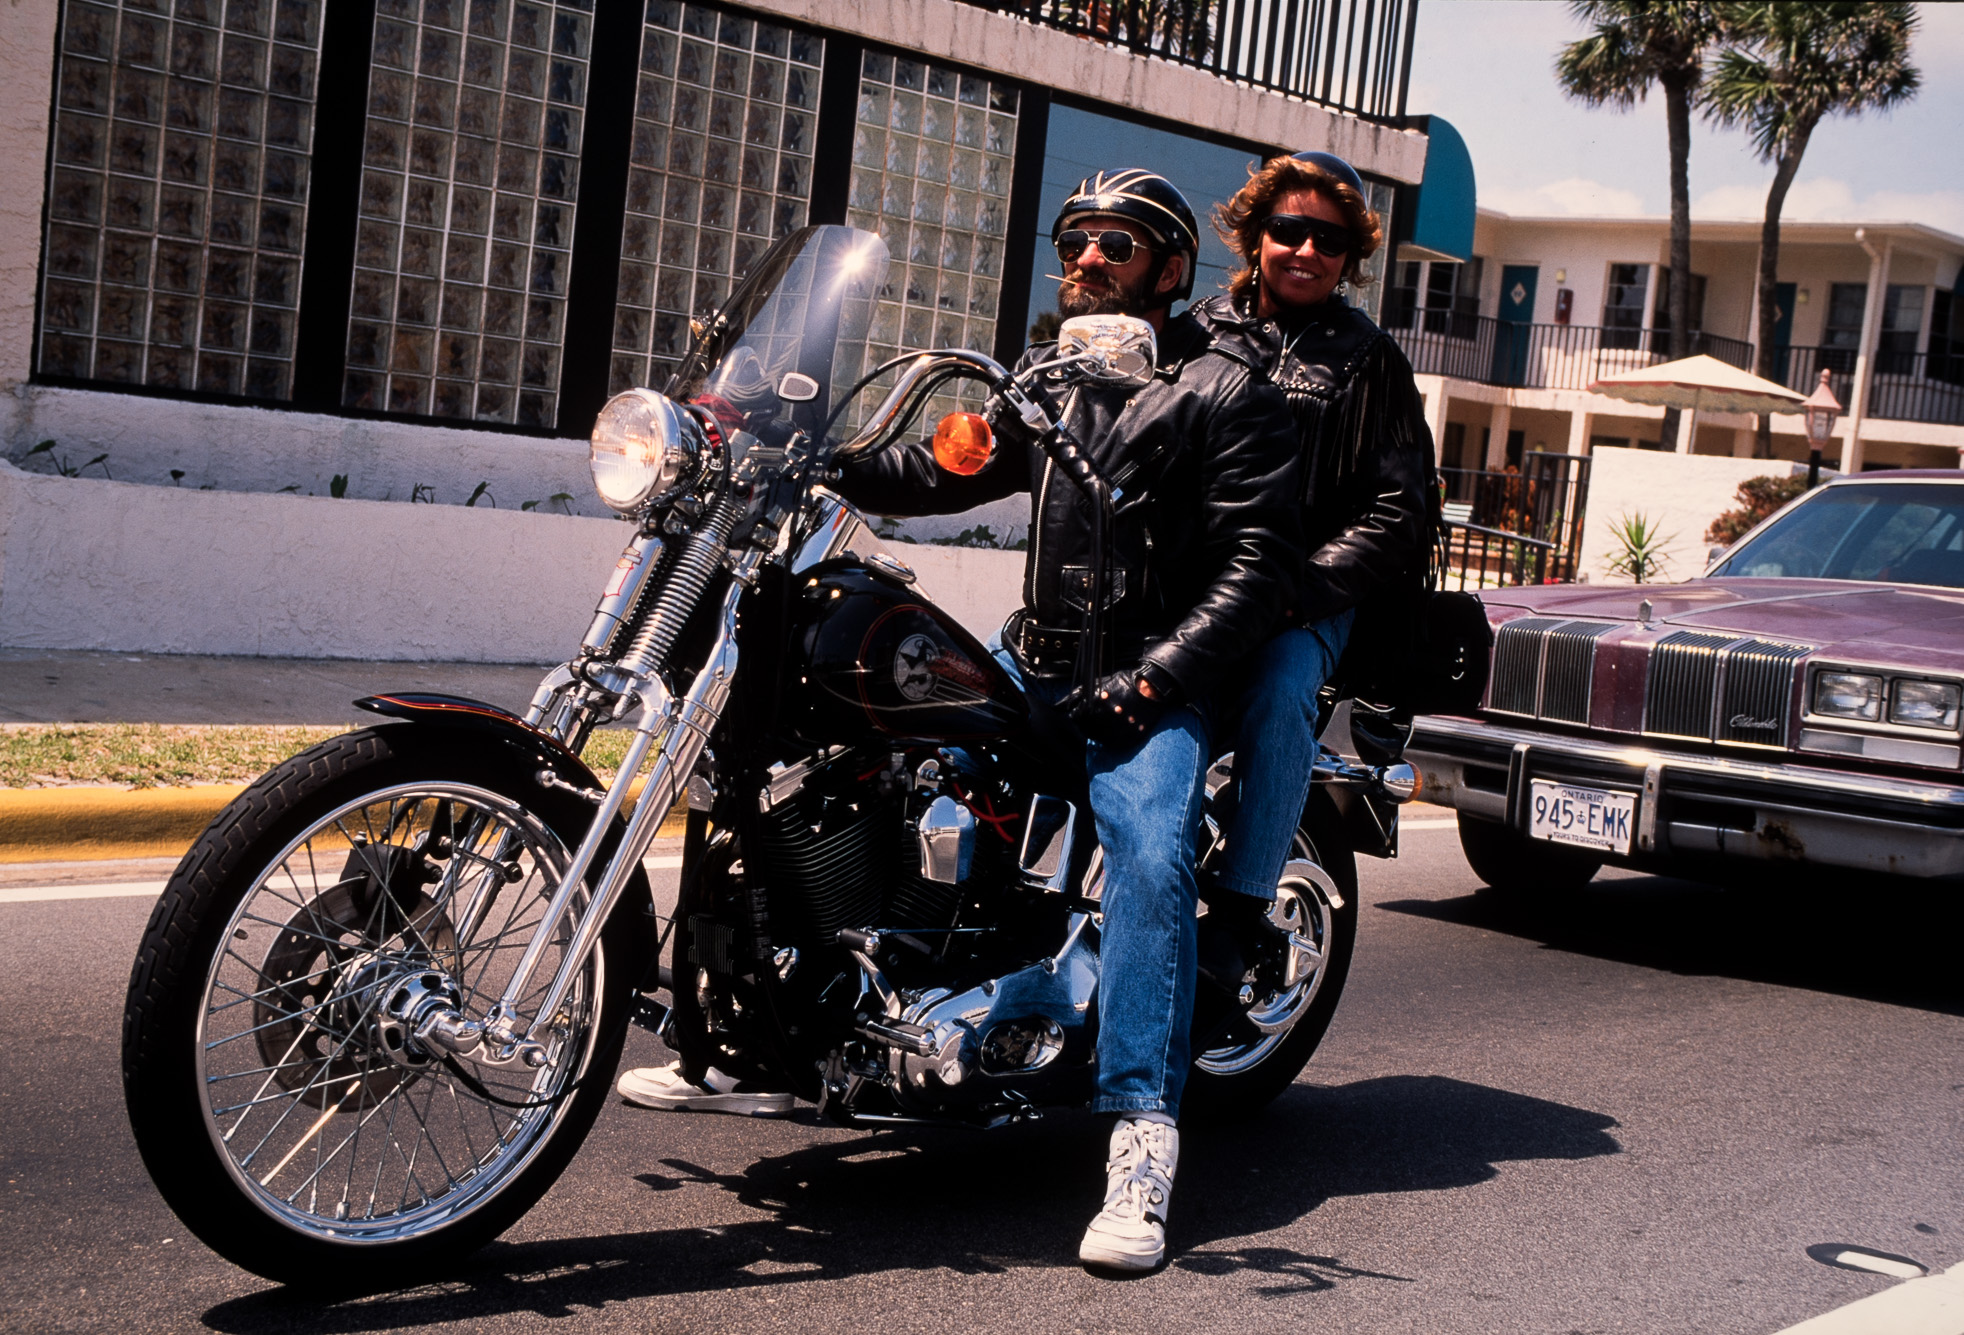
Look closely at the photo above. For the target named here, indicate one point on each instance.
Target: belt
(1042, 651)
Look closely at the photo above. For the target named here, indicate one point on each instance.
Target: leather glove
(1119, 712)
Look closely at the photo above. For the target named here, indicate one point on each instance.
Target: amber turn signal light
(963, 444)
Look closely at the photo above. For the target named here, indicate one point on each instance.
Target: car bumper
(1692, 805)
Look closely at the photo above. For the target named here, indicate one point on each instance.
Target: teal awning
(1440, 213)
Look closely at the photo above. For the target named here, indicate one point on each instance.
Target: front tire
(1517, 865)
(278, 1097)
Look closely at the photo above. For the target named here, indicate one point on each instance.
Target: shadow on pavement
(1862, 937)
(901, 1201)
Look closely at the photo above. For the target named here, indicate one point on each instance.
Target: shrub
(1758, 498)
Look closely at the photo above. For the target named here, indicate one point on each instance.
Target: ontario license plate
(1587, 817)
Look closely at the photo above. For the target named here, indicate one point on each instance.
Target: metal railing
(1354, 55)
(1538, 356)
(1903, 387)
(1516, 526)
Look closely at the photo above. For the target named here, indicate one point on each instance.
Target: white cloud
(1573, 196)
(1825, 199)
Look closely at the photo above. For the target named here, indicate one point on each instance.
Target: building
(1507, 340)
(289, 255)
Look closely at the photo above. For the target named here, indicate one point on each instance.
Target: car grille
(1720, 688)
(1543, 667)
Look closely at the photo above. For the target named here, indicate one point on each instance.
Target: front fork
(676, 731)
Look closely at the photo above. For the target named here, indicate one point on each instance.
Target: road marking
(30, 894)
(1447, 824)
(1929, 1306)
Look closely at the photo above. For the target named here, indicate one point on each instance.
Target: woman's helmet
(1146, 198)
(1336, 167)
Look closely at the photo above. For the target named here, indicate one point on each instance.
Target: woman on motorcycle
(1302, 229)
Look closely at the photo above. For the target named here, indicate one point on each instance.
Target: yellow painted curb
(88, 824)
(97, 824)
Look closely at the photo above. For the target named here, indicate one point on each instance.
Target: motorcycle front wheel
(279, 1095)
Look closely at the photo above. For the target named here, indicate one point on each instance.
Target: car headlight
(1848, 695)
(1926, 704)
(643, 448)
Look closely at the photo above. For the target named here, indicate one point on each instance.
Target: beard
(1109, 297)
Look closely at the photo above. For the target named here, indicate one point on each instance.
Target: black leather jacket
(1366, 451)
(1204, 462)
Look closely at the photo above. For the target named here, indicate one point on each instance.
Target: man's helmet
(1336, 167)
(1146, 198)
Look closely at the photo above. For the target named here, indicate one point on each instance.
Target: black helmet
(1336, 167)
(1143, 197)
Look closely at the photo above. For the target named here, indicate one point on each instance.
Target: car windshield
(1901, 532)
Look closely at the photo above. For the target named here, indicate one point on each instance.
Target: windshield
(804, 308)
(1904, 533)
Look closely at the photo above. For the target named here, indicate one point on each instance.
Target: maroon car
(1798, 704)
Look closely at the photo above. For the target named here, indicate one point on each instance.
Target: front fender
(457, 711)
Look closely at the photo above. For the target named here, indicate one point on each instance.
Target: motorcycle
(382, 999)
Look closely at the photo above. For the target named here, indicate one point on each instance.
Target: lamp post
(1821, 408)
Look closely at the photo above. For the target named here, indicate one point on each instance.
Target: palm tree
(1787, 66)
(1637, 43)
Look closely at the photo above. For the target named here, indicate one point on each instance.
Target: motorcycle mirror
(963, 444)
(797, 387)
(1115, 349)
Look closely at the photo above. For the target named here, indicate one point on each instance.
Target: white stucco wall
(86, 564)
(1681, 493)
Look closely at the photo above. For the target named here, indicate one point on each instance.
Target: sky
(1488, 67)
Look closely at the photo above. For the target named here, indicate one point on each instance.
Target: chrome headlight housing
(644, 450)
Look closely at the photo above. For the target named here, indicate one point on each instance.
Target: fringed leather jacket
(1366, 451)
(1207, 532)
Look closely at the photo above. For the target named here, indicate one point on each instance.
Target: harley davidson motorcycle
(383, 997)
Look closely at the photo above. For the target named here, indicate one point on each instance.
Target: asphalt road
(1631, 1112)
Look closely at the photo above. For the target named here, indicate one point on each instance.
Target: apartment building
(1507, 341)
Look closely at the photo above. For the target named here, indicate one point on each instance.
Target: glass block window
(470, 167)
(931, 166)
(725, 112)
(178, 193)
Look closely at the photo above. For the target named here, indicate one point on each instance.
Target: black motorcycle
(383, 997)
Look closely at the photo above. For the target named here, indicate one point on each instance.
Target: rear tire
(1246, 1069)
(271, 1096)
(1510, 861)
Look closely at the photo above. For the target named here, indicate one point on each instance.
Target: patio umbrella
(1698, 384)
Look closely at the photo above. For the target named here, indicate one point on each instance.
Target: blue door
(1513, 332)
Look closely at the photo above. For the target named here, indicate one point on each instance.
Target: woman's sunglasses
(1115, 246)
(1333, 240)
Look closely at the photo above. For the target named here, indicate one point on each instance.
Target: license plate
(1587, 817)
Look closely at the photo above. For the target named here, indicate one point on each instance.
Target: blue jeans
(1275, 747)
(1146, 803)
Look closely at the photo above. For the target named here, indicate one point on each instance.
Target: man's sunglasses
(1115, 246)
(1333, 240)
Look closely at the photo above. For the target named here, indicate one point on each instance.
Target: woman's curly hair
(1239, 221)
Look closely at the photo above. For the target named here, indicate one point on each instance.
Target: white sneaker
(663, 1088)
(1130, 1232)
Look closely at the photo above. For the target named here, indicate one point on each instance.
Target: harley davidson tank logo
(913, 666)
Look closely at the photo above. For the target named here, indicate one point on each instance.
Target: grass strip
(154, 755)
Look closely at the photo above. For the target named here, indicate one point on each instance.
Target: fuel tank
(874, 661)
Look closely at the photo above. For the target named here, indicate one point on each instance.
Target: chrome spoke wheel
(325, 1107)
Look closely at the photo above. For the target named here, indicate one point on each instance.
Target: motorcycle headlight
(643, 449)
(1848, 695)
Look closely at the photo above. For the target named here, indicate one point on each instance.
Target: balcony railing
(1354, 55)
(1538, 356)
(1904, 386)
(1518, 526)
